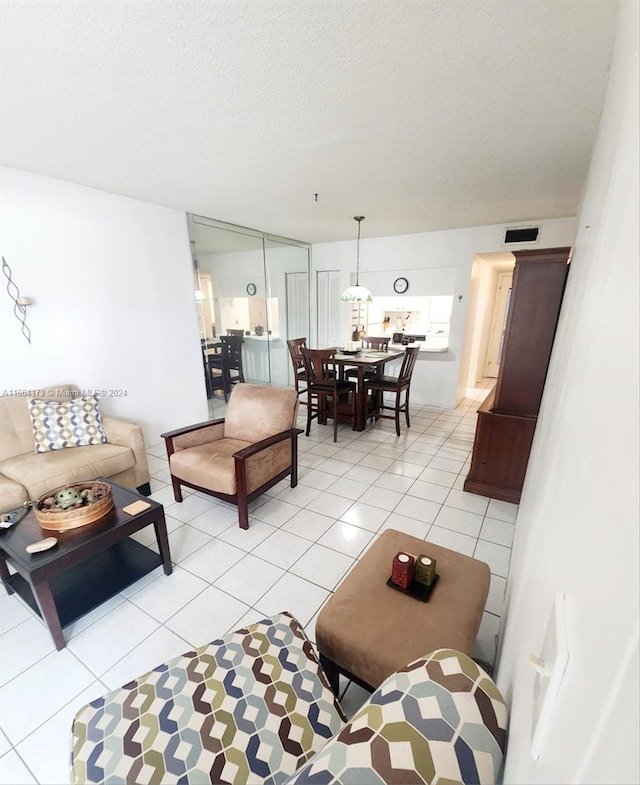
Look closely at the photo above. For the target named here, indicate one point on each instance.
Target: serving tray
(416, 590)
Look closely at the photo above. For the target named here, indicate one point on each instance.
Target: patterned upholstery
(60, 424)
(440, 719)
(255, 706)
(249, 708)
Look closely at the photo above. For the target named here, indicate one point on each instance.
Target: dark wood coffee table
(87, 566)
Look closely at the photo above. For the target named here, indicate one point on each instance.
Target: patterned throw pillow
(59, 424)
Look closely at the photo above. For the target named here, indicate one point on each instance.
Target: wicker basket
(62, 520)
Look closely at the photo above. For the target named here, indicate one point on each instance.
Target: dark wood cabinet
(507, 417)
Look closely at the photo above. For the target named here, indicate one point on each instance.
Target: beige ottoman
(368, 630)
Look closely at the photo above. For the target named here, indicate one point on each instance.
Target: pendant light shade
(357, 293)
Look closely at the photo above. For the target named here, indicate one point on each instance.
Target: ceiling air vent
(527, 235)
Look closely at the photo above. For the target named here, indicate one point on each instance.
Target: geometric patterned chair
(440, 719)
(251, 707)
(255, 707)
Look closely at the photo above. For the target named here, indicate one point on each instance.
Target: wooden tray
(64, 520)
(417, 590)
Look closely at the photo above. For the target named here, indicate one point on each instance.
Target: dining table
(363, 360)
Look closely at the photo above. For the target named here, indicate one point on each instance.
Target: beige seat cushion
(209, 465)
(12, 494)
(371, 630)
(41, 472)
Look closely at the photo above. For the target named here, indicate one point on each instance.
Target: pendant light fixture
(357, 293)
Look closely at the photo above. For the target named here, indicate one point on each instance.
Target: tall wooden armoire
(507, 417)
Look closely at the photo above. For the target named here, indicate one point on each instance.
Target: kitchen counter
(432, 343)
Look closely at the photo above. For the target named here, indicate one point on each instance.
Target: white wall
(577, 529)
(114, 293)
(418, 257)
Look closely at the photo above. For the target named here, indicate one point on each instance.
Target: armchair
(239, 457)
(255, 707)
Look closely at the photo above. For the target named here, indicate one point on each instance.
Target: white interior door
(329, 325)
(498, 322)
(297, 305)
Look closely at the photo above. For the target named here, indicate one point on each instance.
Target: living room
(111, 279)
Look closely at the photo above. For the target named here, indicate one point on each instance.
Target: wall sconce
(19, 303)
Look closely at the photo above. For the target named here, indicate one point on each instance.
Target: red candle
(402, 570)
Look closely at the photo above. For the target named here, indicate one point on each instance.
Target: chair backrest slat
(408, 362)
(378, 344)
(318, 365)
(295, 346)
(232, 351)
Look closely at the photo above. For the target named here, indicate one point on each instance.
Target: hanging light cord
(20, 311)
(359, 219)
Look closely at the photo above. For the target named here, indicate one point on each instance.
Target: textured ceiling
(419, 114)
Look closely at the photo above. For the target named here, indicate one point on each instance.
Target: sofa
(26, 474)
(256, 707)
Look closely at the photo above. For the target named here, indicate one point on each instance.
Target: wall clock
(400, 285)
(251, 289)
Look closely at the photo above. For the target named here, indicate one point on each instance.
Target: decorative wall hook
(19, 303)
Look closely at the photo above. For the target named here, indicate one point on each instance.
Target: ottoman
(368, 630)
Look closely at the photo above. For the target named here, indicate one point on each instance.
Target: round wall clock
(400, 285)
(251, 289)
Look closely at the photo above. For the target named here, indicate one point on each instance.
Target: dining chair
(327, 395)
(378, 344)
(222, 366)
(375, 344)
(235, 332)
(398, 385)
(297, 360)
(206, 368)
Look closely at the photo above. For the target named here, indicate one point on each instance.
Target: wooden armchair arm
(189, 428)
(247, 452)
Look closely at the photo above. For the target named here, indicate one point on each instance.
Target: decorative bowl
(60, 520)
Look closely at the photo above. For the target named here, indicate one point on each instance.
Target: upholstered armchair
(241, 456)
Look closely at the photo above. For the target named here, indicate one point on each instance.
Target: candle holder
(402, 570)
(413, 576)
(425, 570)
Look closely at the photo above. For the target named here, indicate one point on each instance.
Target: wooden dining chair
(297, 360)
(375, 344)
(378, 344)
(226, 368)
(398, 385)
(327, 395)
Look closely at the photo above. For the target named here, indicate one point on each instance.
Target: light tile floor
(300, 544)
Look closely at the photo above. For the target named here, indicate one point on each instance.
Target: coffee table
(87, 566)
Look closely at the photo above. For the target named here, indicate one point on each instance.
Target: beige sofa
(25, 474)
